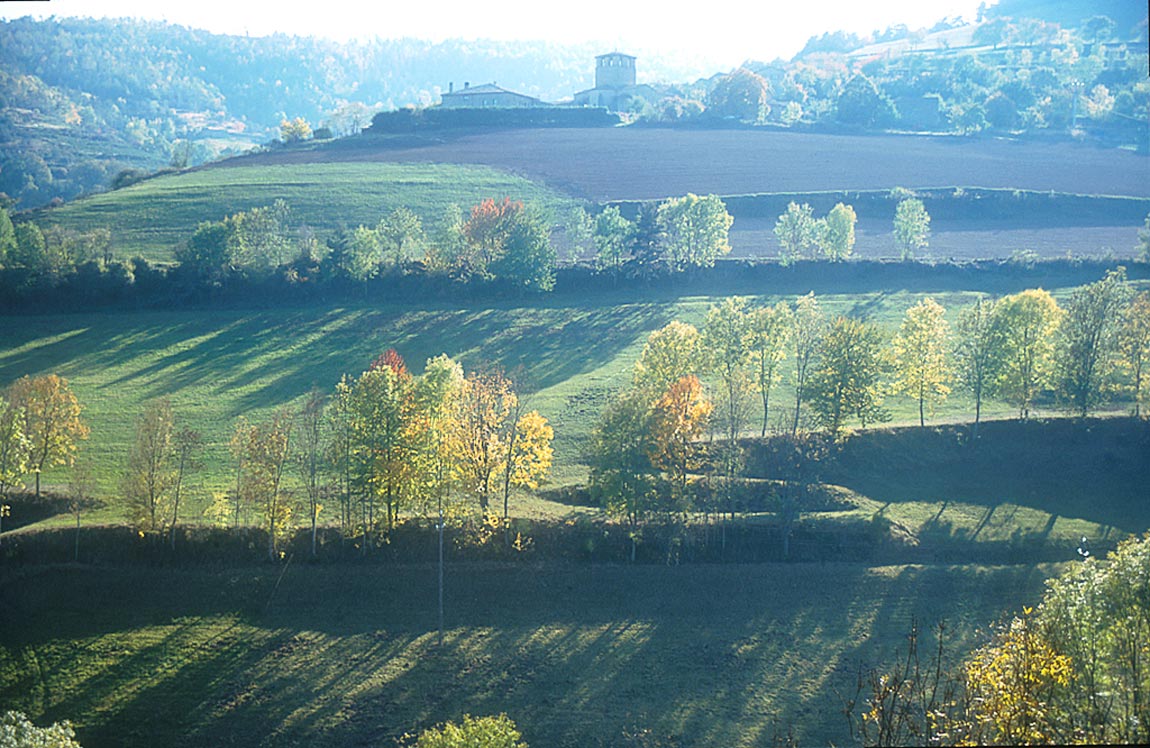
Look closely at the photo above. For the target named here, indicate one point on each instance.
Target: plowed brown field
(629, 163)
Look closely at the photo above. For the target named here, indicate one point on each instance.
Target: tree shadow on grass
(256, 360)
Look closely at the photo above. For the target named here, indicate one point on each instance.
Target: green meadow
(152, 217)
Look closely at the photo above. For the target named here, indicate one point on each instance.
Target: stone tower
(614, 70)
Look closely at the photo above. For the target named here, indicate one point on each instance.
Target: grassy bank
(587, 655)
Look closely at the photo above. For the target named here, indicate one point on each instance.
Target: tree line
(645, 450)
(503, 241)
(386, 444)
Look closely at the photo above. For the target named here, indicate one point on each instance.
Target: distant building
(614, 84)
(486, 96)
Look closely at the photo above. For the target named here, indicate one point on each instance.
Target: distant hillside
(81, 99)
(1127, 15)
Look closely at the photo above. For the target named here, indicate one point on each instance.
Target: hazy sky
(724, 33)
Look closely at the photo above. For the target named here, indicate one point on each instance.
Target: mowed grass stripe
(151, 218)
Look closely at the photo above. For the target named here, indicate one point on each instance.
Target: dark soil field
(639, 163)
(957, 240)
(618, 164)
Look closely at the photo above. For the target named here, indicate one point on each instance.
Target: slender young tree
(1134, 346)
(770, 332)
(311, 437)
(726, 346)
(187, 442)
(151, 474)
(266, 450)
(978, 353)
(807, 333)
(911, 227)
(920, 356)
(485, 405)
(1088, 341)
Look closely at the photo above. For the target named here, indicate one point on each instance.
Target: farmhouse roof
(485, 88)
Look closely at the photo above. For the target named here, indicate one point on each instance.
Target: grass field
(579, 654)
(218, 365)
(149, 219)
(589, 655)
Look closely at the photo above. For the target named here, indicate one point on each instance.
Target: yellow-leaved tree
(679, 418)
(921, 360)
(52, 423)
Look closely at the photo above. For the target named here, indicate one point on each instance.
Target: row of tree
(386, 444)
(501, 240)
(801, 236)
(645, 447)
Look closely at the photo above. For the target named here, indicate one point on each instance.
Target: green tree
(151, 474)
(694, 231)
(861, 104)
(7, 237)
(1134, 347)
(528, 257)
(797, 232)
(921, 359)
(978, 352)
(402, 237)
(770, 332)
(1028, 322)
(613, 237)
(1088, 341)
(52, 423)
(378, 409)
(848, 380)
(206, 252)
(836, 232)
(807, 331)
(622, 476)
(911, 227)
(473, 732)
(726, 347)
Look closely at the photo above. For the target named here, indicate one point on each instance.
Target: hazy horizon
(709, 41)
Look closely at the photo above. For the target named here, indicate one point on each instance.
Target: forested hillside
(83, 100)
